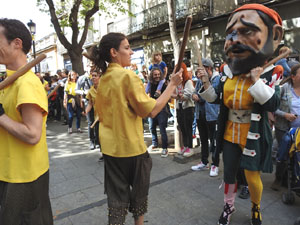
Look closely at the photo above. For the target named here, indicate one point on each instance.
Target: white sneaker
(200, 166)
(188, 152)
(214, 171)
(181, 150)
(164, 153)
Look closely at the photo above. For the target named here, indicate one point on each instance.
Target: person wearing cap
(283, 62)
(206, 117)
(253, 32)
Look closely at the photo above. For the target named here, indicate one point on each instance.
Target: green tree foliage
(76, 15)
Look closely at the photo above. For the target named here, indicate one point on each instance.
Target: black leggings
(207, 130)
(231, 158)
(185, 118)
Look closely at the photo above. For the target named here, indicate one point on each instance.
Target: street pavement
(178, 195)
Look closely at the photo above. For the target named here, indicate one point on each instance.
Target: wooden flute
(186, 32)
(283, 55)
(198, 53)
(9, 80)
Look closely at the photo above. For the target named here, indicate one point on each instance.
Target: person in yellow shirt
(91, 96)
(121, 103)
(72, 102)
(44, 82)
(24, 163)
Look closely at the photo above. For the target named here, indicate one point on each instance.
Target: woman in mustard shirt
(71, 103)
(121, 103)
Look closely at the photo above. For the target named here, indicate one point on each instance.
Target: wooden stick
(186, 31)
(198, 53)
(94, 123)
(283, 55)
(54, 90)
(9, 80)
(85, 54)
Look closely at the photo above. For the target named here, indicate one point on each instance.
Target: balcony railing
(158, 15)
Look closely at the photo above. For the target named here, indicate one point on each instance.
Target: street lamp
(32, 29)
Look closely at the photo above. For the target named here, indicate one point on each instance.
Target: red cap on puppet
(270, 12)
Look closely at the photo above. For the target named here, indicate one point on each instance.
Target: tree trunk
(173, 30)
(176, 47)
(76, 59)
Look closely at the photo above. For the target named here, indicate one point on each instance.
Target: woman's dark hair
(294, 69)
(15, 29)
(65, 71)
(101, 53)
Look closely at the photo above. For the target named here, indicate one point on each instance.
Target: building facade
(148, 30)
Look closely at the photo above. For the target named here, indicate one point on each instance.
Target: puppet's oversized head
(253, 33)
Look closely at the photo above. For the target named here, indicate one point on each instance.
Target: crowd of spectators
(192, 111)
(72, 95)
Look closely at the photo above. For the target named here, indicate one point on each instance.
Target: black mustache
(240, 47)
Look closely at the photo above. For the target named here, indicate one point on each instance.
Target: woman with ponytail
(121, 103)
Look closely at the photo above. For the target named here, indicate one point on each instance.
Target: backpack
(289, 147)
(285, 145)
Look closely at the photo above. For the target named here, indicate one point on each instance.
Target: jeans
(194, 124)
(162, 121)
(185, 118)
(207, 130)
(71, 114)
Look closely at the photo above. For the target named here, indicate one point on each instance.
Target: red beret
(270, 12)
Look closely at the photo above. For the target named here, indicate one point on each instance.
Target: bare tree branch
(57, 26)
(73, 19)
(87, 20)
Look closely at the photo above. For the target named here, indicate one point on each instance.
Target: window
(110, 27)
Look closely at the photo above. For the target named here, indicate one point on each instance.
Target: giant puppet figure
(253, 32)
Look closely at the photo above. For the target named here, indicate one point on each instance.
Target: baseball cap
(207, 62)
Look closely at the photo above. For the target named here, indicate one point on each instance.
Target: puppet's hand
(1, 110)
(255, 73)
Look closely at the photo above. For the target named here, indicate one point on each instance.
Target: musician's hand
(195, 97)
(65, 105)
(255, 73)
(1, 110)
(176, 78)
(290, 117)
(202, 74)
(180, 96)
